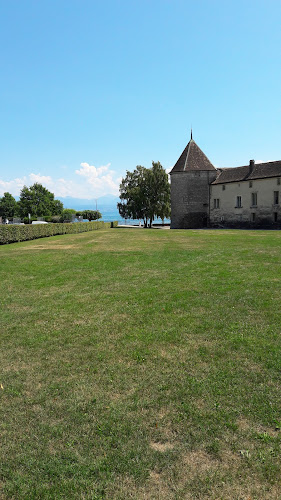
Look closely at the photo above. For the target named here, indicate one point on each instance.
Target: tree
(159, 204)
(133, 195)
(8, 206)
(38, 201)
(145, 194)
(91, 214)
(67, 213)
(70, 211)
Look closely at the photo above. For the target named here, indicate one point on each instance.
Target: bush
(56, 219)
(114, 223)
(12, 234)
(91, 214)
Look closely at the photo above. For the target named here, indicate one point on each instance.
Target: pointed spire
(192, 158)
(191, 134)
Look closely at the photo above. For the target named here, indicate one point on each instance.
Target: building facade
(241, 197)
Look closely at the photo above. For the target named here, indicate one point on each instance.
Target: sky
(92, 88)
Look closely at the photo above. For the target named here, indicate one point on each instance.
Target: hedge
(14, 233)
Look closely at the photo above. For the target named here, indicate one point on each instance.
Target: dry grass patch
(199, 462)
(50, 246)
(162, 447)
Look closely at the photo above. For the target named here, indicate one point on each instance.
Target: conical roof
(192, 158)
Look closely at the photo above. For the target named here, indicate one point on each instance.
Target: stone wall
(190, 198)
(265, 213)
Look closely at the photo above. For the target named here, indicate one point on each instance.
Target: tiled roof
(192, 158)
(258, 171)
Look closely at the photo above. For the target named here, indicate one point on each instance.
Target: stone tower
(190, 180)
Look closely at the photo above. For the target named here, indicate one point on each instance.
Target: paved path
(141, 227)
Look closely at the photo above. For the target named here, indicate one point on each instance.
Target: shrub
(12, 234)
(114, 223)
(56, 218)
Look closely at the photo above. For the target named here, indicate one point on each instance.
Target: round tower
(190, 180)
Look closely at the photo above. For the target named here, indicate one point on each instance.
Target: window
(253, 217)
(250, 184)
(223, 187)
(278, 181)
(254, 199)
(276, 197)
(238, 202)
(275, 216)
(216, 203)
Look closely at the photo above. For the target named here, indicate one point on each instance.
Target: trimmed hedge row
(13, 233)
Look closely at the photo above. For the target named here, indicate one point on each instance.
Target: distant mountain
(108, 200)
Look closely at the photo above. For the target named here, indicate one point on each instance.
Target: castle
(240, 197)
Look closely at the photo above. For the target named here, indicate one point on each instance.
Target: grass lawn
(141, 364)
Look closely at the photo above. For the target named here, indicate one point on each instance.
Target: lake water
(110, 214)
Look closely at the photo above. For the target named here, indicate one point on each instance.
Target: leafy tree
(67, 213)
(133, 195)
(38, 201)
(159, 204)
(91, 214)
(70, 211)
(8, 206)
(145, 194)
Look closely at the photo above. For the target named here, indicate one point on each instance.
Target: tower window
(278, 181)
(216, 203)
(223, 187)
(253, 217)
(275, 216)
(250, 184)
(276, 197)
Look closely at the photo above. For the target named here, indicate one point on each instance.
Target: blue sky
(90, 89)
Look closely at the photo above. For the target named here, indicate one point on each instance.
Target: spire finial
(191, 134)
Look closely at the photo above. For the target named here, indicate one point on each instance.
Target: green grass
(141, 364)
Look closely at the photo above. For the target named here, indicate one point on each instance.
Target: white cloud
(45, 180)
(101, 179)
(89, 182)
(14, 186)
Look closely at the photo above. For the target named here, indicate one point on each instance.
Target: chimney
(251, 165)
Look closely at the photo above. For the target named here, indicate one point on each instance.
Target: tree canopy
(145, 194)
(38, 201)
(91, 214)
(8, 206)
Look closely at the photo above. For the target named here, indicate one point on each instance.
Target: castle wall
(190, 198)
(263, 213)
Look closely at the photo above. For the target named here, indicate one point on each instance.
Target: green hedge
(13, 233)
(114, 223)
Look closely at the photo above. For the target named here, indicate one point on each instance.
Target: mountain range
(108, 200)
